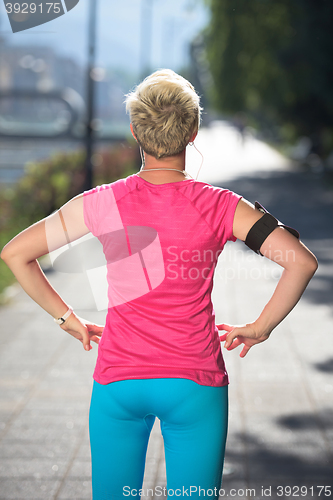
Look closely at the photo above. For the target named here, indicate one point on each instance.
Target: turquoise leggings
(193, 420)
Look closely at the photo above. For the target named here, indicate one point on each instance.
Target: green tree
(273, 59)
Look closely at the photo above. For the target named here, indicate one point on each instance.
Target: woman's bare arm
(21, 255)
(299, 266)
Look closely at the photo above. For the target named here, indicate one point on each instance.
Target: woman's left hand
(237, 335)
(83, 330)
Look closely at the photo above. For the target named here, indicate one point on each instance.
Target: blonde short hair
(165, 112)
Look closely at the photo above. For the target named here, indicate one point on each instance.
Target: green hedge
(48, 184)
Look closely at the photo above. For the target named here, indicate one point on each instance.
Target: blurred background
(264, 71)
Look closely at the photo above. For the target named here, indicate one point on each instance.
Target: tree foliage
(273, 58)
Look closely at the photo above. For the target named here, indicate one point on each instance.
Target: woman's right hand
(247, 334)
(83, 330)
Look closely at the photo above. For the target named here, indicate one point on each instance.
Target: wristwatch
(61, 321)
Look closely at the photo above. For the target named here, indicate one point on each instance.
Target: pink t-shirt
(161, 244)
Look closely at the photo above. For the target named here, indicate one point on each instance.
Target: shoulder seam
(127, 193)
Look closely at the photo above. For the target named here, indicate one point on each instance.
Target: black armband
(263, 228)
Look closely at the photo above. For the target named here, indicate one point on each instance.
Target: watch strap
(61, 321)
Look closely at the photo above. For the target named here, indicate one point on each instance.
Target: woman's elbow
(308, 264)
(4, 255)
(8, 253)
(313, 264)
(301, 260)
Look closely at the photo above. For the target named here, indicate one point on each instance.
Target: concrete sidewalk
(281, 394)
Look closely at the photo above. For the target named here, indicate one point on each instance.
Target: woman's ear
(131, 127)
(193, 136)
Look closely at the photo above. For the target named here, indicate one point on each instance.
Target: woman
(159, 355)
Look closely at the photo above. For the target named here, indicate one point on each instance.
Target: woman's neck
(171, 163)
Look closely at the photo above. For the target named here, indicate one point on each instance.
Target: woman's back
(161, 321)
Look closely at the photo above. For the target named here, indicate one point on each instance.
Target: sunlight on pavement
(227, 155)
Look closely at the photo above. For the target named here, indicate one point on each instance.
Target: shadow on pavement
(290, 464)
(325, 366)
(303, 421)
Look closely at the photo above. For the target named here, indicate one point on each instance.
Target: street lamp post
(146, 37)
(89, 138)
